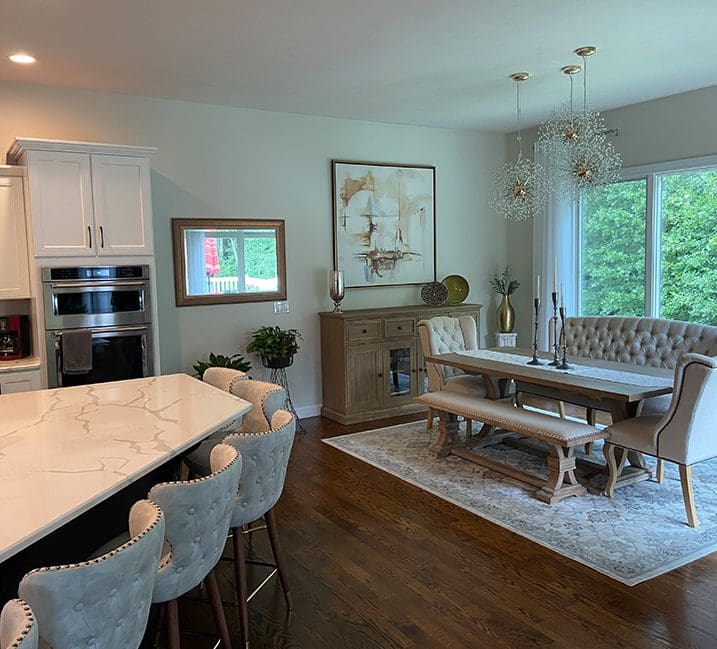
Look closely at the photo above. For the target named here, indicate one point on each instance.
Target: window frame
(652, 174)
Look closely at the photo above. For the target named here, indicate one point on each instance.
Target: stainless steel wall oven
(112, 304)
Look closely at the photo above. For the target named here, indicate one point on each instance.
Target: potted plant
(235, 362)
(505, 285)
(275, 345)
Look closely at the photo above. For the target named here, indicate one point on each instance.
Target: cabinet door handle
(89, 234)
(364, 331)
(380, 375)
(413, 370)
(102, 237)
(400, 328)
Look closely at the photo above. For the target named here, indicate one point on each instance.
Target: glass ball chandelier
(576, 144)
(519, 189)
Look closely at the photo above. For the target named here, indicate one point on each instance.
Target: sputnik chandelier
(519, 189)
(575, 142)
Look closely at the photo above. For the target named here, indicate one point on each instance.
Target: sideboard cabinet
(371, 360)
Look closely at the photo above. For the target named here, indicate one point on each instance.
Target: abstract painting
(384, 223)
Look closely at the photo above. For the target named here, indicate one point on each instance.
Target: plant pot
(506, 316)
(277, 363)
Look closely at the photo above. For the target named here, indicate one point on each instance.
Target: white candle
(555, 274)
(537, 287)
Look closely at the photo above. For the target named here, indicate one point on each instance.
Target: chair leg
(278, 556)
(429, 421)
(241, 587)
(469, 430)
(215, 600)
(615, 466)
(172, 621)
(660, 472)
(589, 448)
(688, 495)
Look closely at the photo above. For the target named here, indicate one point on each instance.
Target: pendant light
(519, 190)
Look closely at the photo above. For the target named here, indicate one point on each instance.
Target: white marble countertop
(27, 363)
(64, 450)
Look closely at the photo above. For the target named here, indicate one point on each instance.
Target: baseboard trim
(309, 411)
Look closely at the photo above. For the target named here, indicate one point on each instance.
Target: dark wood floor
(375, 562)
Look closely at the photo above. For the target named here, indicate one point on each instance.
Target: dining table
(596, 384)
(64, 451)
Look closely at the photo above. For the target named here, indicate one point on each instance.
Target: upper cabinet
(14, 274)
(87, 199)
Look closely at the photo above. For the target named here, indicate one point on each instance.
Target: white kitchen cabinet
(87, 199)
(13, 382)
(14, 271)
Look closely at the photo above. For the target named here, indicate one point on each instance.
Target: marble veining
(64, 450)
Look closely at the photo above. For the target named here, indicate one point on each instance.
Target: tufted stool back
(640, 341)
(442, 335)
(18, 628)
(102, 603)
(197, 514)
(266, 458)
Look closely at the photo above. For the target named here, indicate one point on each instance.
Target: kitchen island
(63, 451)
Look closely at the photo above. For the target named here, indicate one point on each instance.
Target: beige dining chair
(685, 434)
(443, 335)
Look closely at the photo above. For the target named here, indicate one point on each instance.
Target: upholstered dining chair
(442, 335)
(266, 458)
(18, 628)
(198, 513)
(103, 603)
(267, 398)
(685, 434)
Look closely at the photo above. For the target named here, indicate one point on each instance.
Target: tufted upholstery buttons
(78, 607)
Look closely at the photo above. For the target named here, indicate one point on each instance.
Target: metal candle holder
(336, 288)
(554, 324)
(564, 363)
(535, 360)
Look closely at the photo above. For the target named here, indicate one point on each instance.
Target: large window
(648, 244)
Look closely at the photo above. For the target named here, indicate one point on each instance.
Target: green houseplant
(235, 362)
(275, 345)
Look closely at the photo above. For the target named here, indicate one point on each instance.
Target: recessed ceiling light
(21, 58)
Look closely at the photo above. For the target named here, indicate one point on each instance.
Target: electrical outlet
(281, 306)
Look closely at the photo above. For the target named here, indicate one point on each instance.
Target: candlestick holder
(554, 326)
(535, 360)
(564, 363)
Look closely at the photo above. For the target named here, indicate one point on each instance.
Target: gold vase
(506, 316)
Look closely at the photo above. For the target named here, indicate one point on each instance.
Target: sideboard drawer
(367, 330)
(396, 327)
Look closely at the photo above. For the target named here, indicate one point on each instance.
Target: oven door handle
(113, 284)
(110, 330)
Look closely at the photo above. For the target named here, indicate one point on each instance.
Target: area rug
(638, 535)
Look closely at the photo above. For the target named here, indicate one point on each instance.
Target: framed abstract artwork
(384, 223)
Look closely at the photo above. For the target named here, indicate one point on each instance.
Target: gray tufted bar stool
(266, 398)
(266, 458)
(18, 628)
(198, 514)
(102, 603)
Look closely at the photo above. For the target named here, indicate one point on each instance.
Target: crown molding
(23, 144)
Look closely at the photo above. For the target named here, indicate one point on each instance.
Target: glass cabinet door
(401, 374)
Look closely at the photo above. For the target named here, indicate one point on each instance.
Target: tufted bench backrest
(641, 341)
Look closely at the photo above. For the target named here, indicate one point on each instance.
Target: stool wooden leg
(688, 495)
(278, 556)
(215, 600)
(660, 474)
(241, 587)
(561, 409)
(429, 421)
(172, 619)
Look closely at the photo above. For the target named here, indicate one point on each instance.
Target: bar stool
(266, 457)
(104, 602)
(198, 513)
(18, 628)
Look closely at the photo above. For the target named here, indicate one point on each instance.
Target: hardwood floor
(375, 562)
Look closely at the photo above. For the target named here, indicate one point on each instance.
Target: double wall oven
(112, 305)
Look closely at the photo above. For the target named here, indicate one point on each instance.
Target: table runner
(588, 371)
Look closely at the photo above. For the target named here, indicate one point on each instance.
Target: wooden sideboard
(372, 363)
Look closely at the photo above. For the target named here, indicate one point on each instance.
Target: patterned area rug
(638, 535)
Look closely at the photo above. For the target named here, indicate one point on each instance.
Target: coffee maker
(14, 337)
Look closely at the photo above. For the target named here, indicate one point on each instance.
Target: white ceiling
(404, 61)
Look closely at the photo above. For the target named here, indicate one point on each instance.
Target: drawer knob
(364, 331)
(380, 375)
(400, 327)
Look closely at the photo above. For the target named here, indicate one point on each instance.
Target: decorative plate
(434, 293)
(458, 288)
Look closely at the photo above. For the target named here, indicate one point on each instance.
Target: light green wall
(670, 128)
(227, 162)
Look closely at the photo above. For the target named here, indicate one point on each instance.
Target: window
(648, 244)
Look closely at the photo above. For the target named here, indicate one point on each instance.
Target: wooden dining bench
(561, 436)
